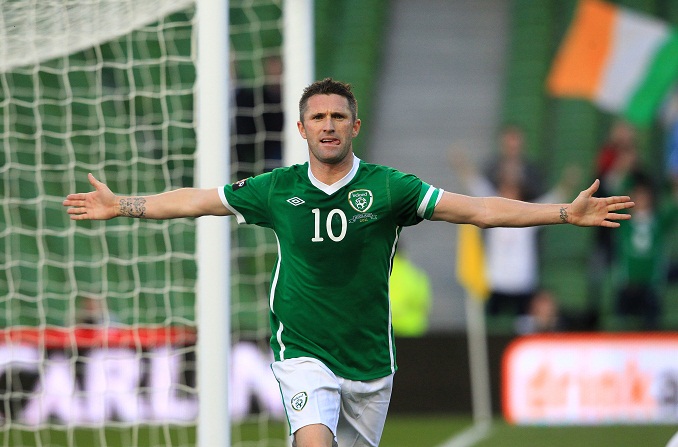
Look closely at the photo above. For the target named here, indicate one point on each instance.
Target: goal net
(98, 319)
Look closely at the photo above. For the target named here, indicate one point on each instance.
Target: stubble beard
(331, 157)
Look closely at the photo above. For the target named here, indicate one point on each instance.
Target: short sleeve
(413, 200)
(248, 199)
(429, 196)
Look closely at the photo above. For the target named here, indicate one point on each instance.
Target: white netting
(35, 31)
(256, 38)
(97, 345)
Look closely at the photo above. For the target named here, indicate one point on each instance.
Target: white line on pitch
(470, 436)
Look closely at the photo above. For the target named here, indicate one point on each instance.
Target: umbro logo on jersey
(296, 201)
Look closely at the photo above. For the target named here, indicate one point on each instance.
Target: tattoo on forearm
(563, 214)
(133, 207)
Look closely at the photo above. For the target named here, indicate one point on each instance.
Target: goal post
(299, 57)
(213, 111)
(141, 94)
(213, 247)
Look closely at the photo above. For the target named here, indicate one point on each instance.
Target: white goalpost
(120, 332)
(299, 57)
(213, 247)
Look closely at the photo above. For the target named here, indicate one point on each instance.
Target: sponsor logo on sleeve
(239, 184)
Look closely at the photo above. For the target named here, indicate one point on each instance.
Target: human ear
(302, 129)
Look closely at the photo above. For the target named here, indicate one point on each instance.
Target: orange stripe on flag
(471, 271)
(581, 59)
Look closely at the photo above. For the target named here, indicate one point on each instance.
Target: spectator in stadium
(410, 293)
(543, 315)
(641, 262)
(337, 221)
(93, 310)
(511, 157)
(259, 121)
(617, 161)
(616, 164)
(617, 157)
(511, 254)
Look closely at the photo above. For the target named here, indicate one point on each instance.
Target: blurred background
(456, 92)
(440, 84)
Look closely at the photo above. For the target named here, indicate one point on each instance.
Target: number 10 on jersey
(328, 225)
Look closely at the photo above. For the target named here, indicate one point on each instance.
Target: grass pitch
(434, 431)
(400, 431)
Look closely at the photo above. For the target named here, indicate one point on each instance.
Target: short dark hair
(328, 86)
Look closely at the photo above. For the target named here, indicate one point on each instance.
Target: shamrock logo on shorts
(299, 401)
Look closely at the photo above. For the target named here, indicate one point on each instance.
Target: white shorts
(354, 411)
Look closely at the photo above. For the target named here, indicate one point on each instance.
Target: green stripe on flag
(661, 74)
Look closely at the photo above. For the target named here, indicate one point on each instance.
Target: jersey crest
(360, 199)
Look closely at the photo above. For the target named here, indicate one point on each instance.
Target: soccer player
(337, 220)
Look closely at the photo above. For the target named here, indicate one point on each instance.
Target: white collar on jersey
(336, 186)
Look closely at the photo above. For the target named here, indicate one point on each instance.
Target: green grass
(432, 431)
(421, 430)
(400, 431)
(505, 435)
(141, 436)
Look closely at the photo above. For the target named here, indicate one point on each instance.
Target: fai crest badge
(360, 199)
(299, 401)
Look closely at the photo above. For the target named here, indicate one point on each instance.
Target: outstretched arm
(485, 212)
(102, 204)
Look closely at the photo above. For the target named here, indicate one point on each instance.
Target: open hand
(589, 211)
(99, 204)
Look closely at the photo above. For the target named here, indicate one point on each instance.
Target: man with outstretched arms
(329, 293)
(337, 220)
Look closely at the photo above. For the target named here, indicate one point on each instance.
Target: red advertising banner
(591, 379)
(92, 375)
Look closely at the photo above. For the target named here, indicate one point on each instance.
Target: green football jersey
(329, 294)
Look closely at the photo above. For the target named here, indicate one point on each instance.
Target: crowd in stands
(630, 267)
(637, 256)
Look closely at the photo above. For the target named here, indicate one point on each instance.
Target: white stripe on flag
(636, 40)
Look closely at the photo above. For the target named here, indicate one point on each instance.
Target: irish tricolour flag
(623, 61)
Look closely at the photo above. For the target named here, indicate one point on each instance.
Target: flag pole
(478, 362)
(470, 271)
(471, 274)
